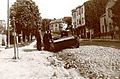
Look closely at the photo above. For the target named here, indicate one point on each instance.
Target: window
(81, 10)
(109, 12)
(74, 15)
(56, 29)
(51, 27)
(110, 26)
(78, 13)
(77, 21)
(56, 25)
(105, 24)
(103, 29)
(82, 20)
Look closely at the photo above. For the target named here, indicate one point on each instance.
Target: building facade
(80, 16)
(57, 25)
(74, 18)
(108, 30)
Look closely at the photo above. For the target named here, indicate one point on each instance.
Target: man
(38, 38)
(46, 40)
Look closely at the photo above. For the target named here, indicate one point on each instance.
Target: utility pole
(8, 30)
(16, 56)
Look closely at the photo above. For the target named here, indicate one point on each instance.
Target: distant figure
(64, 33)
(38, 38)
(46, 40)
(3, 42)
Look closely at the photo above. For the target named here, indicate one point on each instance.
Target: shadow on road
(29, 50)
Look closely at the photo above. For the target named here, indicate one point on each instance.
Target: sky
(48, 8)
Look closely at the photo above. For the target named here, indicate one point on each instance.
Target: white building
(57, 25)
(74, 18)
(78, 16)
(106, 22)
(79, 20)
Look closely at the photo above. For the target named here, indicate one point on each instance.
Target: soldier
(38, 38)
(46, 40)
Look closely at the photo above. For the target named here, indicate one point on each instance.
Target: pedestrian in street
(46, 40)
(38, 38)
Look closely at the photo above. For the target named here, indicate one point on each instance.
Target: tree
(68, 20)
(45, 24)
(116, 16)
(89, 14)
(99, 7)
(116, 12)
(27, 16)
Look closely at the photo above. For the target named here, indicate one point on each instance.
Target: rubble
(95, 62)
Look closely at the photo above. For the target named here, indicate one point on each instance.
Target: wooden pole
(15, 41)
(8, 30)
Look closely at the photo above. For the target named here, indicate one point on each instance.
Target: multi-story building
(80, 16)
(74, 18)
(106, 23)
(57, 25)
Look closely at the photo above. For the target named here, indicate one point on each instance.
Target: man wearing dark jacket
(46, 40)
(38, 38)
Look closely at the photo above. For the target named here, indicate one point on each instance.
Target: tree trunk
(21, 37)
(30, 37)
(90, 34)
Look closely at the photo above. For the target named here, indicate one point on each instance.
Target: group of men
(47, 39)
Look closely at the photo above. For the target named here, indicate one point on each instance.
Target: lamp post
(8, 31)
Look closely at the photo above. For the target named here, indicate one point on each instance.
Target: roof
(56, 21)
